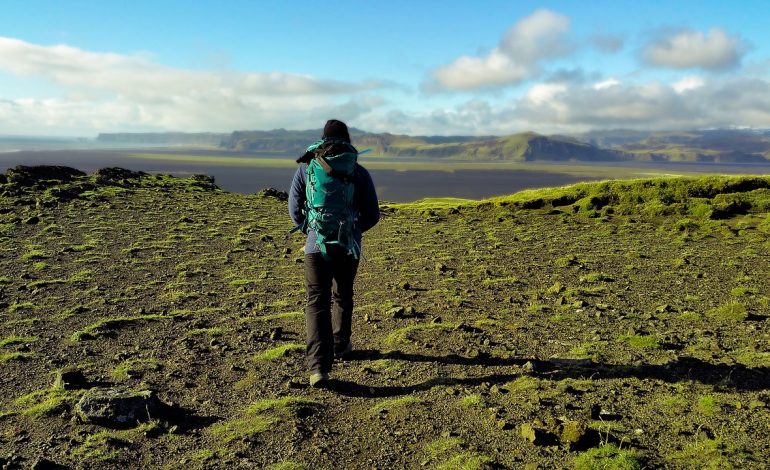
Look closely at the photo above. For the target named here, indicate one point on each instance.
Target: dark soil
(486, 336)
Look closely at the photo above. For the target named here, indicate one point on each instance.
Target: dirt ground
(486, 336)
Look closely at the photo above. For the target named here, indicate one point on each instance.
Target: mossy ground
(163, 285)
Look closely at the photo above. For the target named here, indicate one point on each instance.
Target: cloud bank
(539, 36)
(715, 50)
(114, 91)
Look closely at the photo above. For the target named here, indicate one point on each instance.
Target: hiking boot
(319, 379)
(344, 353)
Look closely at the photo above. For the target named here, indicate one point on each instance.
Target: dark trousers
(329, 312)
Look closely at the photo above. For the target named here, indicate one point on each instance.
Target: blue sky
(495, 67)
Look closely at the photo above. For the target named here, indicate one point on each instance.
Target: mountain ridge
(703, 146)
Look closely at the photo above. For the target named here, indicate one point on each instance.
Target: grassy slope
(662, 283)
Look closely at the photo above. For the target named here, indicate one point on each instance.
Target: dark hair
(337, 130)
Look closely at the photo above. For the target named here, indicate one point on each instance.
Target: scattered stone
(441, 267)
(367, 318)
(114, 407)
(32, 220)
(405, 285)
(665, 308)
(70, 378)
(580, 304)
(436, 320)
(411, 311)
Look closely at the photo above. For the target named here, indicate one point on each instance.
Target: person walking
(333, 201)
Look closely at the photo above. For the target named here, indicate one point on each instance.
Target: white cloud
(578, 107)
(107, 91)
(610, 82)
(691, 82)
(715, 50)
(533, 39)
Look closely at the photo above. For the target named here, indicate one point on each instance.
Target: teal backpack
(329, 191)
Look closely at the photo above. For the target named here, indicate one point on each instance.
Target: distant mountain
(163, 138)
(703, 146)
(717, 145)
(518, 147)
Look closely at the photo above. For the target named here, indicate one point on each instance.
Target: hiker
(333, 201)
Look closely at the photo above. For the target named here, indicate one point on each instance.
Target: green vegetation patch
(134, 367)
(729, 312)
(259, 417)
(392, 404)
(640, 342)
(707, 453)
(403, 335)
(15, 356)
(278, 352)
(607, 457)
(47, 402)
(107, 445)
(275, 316)
(13, 339)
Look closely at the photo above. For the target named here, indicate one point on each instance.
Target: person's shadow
(728, 377)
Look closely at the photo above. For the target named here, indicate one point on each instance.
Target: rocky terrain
(154, 322)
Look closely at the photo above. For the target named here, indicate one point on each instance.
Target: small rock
(367, 318)
(532, 434)
(396, 312)
(580, 304)
(436, 320)
(405, 285)
(504, 424)
(664, 308)
(276, 333)
(70, 378)
(572, 432)
(528, 367)
(32, 220)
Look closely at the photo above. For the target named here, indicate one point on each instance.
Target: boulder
(204, 182)
(117, 176)
(202, 178)
(273, 193)
(23, 175)
(113, 407)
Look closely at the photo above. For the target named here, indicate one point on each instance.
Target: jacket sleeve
(368, 205)
(297, 196)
